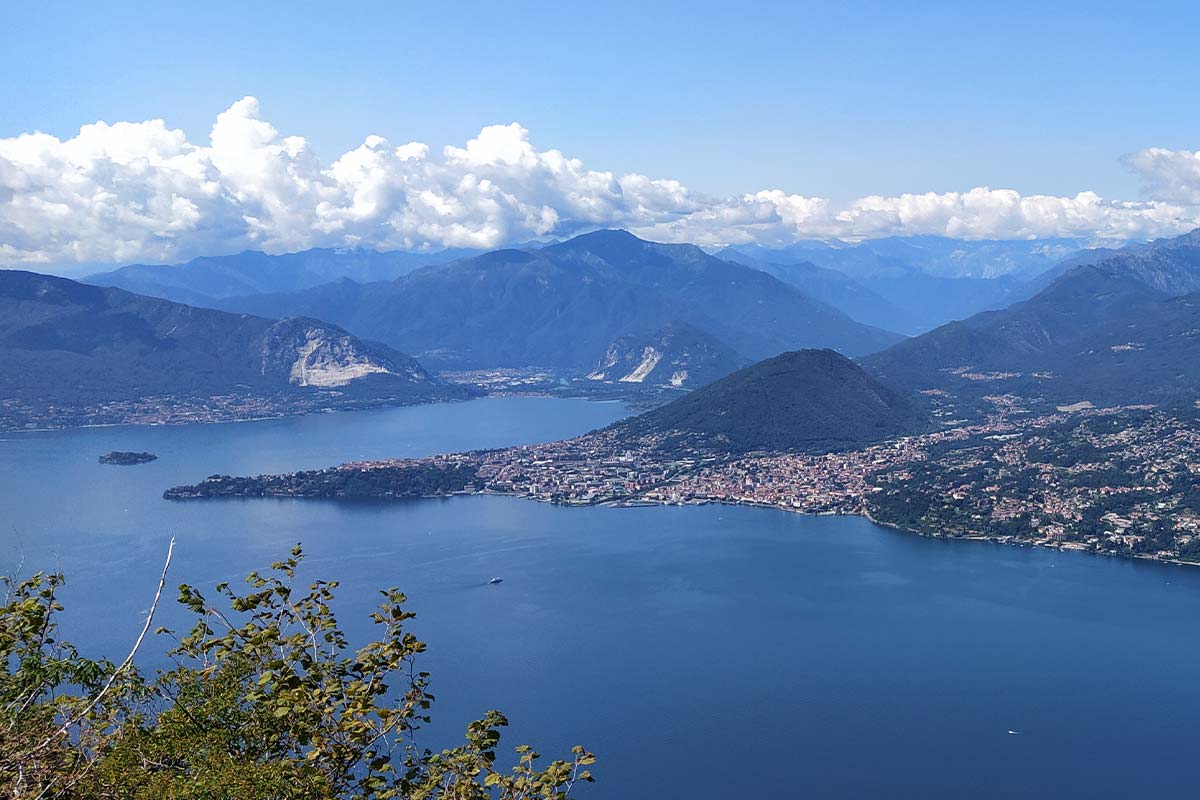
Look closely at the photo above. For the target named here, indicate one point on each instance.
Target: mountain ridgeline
(936, 256)
(1166, 265)
(910, 284)
(801, 401)
(1124, 330)
(562, 305)
(620, 311)
(204, 280)
(68, 350)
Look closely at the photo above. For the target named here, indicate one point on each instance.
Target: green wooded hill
(801, 401)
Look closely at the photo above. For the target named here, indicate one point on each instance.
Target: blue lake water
(701, 652)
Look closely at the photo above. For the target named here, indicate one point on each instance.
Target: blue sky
(839, 99)
(831, 100)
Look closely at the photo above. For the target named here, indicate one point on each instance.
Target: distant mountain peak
(605, 237)
(620, 247)
(612, 245)
(506, 256)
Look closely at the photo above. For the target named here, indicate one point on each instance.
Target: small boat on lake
(496, 580)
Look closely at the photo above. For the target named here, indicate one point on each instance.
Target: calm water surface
(702, 652)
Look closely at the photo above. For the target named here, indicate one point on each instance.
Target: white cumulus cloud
(1172, 175)
(140, 191)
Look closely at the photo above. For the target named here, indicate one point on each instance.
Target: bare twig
(128, 659)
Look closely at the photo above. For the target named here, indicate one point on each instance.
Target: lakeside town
(1121, 481)
(182, 409)
(187, 409)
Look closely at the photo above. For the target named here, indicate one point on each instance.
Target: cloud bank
(140, 191)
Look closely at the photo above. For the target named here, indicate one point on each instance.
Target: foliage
(266, 699)
(801, 401)
(413, 479)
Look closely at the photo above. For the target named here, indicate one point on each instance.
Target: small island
(126, 458)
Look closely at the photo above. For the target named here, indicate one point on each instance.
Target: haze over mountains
(936, 256)
(1168, 265)
(203, 280)
(1121, 330)
(1108, 326)
(911, 284)
(561, 306)
(905, 284)
(1105, 333)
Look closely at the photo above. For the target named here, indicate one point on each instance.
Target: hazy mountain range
(1123, 330)
(936, 256)
(562, 305)
(906, 284)
(1108, 334)
(911, 284)
(202, 280)
(1109, 326)
(1168, 265)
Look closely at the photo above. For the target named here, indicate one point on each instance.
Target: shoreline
(641, 503)
(265, 417)
(629, 400)
(864, 514)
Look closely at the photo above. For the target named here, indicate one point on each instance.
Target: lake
(701, 652)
